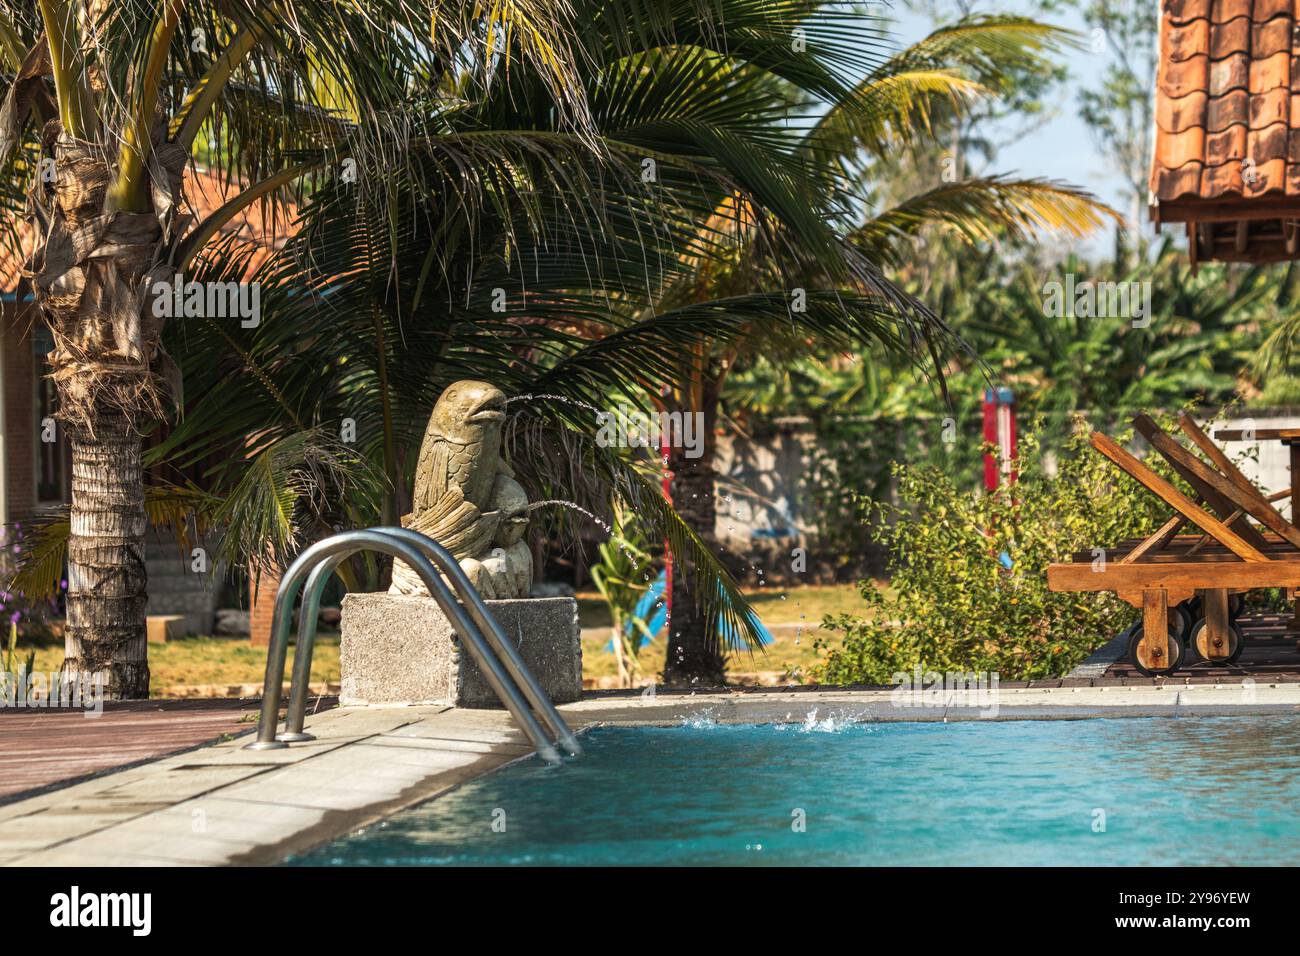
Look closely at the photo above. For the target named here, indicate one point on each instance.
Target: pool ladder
(498, 659)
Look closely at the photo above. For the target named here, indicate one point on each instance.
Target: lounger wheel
(1236, 604)
(1164, 661)
(1182, 617)
(1198, 648)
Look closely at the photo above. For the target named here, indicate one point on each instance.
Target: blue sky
(1063, 148)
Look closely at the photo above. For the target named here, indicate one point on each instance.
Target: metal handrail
(304, 648)
(465, 590)
(349, 542)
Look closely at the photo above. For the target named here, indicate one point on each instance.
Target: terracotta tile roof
(205, 191)
(1227, 137)
(1224, 101)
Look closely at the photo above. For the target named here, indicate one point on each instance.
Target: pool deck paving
(221, 804)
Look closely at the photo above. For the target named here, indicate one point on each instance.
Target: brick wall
(261, 606)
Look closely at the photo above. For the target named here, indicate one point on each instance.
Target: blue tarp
(652, 609)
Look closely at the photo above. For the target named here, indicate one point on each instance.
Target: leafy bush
(622, 573)
(952, 604)
(16, 608)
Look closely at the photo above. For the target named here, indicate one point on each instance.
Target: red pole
(990, 438)
(1000, 432)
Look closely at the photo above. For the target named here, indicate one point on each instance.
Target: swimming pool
(1165, 791)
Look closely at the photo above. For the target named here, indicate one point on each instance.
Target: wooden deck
(46, 748)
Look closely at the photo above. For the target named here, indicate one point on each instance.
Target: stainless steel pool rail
(487, 624)
(496, 657)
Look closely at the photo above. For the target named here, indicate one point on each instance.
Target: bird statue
(464, 492)
(462, 445)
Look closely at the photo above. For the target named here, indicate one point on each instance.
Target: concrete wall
(175, 587)
(1267, 463)
(760, 500)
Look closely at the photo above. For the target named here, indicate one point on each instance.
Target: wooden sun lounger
(1167, 569)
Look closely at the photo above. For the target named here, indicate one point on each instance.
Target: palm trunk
(694, 654)
(106, 572)
(92, 284)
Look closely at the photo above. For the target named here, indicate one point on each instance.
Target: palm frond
(981, 209)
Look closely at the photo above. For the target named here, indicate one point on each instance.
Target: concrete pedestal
(402, 650)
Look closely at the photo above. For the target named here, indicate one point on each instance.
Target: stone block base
(161, 628)
(403, 650)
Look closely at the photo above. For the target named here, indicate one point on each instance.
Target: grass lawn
(197, 661)
(219, 662)
(782, 610)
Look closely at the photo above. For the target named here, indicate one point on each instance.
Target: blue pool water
(1172, 792)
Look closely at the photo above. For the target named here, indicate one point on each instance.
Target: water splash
(704, 720)
(556, 398)
(604, 525)
(831, 725)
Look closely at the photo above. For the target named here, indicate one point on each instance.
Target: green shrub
(952, 605)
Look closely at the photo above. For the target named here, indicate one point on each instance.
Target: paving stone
(443, 743)
(43, 828)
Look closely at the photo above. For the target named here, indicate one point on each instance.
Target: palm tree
(539, 246)
(536, 256)
(272, 92)
(902, 102)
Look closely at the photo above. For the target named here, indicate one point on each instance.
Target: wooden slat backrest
(1222, 495)
(1240, 489)
(1176, 499)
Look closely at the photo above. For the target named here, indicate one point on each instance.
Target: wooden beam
(1181, 543)
(1212, 451)
(1219, 493)
(1248, 496)
(1154, 646)
(1157, 540)
(1227, 210)
(1175, 575)
(1214, 639)
(1176, 499)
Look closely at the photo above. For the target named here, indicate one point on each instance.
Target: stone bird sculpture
(458, 478)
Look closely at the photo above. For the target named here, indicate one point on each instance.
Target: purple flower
(15, 617)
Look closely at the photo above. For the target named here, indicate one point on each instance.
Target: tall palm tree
(106, 105)
(526, 252)
(906, 100)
